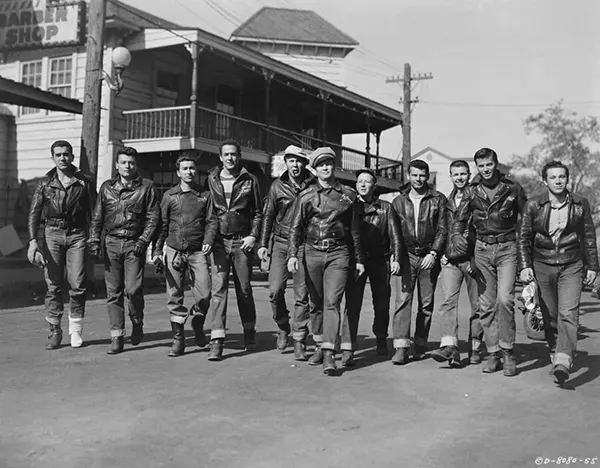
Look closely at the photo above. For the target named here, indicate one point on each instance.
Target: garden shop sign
(32, 24)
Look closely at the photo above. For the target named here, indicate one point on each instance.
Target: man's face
(460, 176)
(62, 157)
(365, 184)
(230, 158)
(486, 167)
(325, 169)
(295, 165)
(556, 180)
(417, 178)
(126, 166)
(187, 171)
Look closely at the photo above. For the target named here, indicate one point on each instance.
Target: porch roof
(19, 94)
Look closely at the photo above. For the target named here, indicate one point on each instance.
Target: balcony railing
(174, 122)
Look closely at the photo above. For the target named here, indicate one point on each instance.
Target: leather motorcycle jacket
(379, 230)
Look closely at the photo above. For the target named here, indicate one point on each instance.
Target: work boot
(475, 353)
(55, 337)
(116, 345)
(329, 361)
(447, 353)
(300, 351)
(75, 331)
(317, 357)
(382, 349)
(198, 326)
(216, 350)
(493, 363)
(419, 352)
(178, 347)
(137, 333)
(400, 357)
(509, 362)
(560, 373)
(282, 339)
(348, 358)
(250, 340)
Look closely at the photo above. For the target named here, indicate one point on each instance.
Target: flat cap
(296, 151)
(321, 154)
(366, 170)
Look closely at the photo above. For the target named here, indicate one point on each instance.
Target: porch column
(194, 51)
(268, 74)
(368, 147)
(324, 98)
(377, 141)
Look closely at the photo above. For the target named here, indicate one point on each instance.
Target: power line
(196, 14)
(472, 104)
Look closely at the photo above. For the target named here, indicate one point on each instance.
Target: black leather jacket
(278, 211)
(243, 216)
(72, 207)
(129, 213)
(326, 215)
(577, 241)
(187, 220)
(432, 222)
(379, 230)
(469, 234)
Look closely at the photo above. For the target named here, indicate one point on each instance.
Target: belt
(498, 238)
(233, 236)
(419, 250)
(61, 223)
(327, 244)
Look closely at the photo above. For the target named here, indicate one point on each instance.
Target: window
(60, 79)
(31, 74)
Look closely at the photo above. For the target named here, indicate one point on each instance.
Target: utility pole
(406, 81)
(90, 132)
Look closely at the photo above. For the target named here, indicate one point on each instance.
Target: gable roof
(288, 25)
(433, 150)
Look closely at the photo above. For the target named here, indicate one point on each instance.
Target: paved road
(82, 408)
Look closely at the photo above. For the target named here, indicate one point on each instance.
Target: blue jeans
(124, 277)
(378, 272)
(413, 275)
(452, 278)
(497, 265)
(64, 249)
(227, 255)
(278, 278)
(327, 274)
(560, 293)
(199, 281)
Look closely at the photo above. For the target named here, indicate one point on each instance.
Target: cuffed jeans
(414, 275)
(227, 255)
(497, 264)
(278, 278)
(327, 274)
(64, 248)
(199, 279)
(124, 277)
(378, 272)
(560, 293)
(452, 278)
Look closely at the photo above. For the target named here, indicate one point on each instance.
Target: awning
(19, 94)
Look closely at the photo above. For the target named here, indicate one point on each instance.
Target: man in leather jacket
(380, 238)
(127, 213)
(277, 216)
(557, 248)
(188, 226)
(423, 222)
(325, 221)
(64, 200)
(238, 207)
(493, 204)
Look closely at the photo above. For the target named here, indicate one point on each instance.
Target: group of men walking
(330, 238)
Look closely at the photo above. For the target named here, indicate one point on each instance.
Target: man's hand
(395, 268)
(460, 244)
(157, 261)
(428, 261)
(526, 275)
(140, 248)
(94, 249)
(590, 277)
(206, 248)
(360, 269)
(444, 260)
(32, 250)
(292, 265)
(248, 243)
(263, 254)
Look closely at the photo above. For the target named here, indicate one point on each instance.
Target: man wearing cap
(277, 217)
(380, 237)
(326, 221)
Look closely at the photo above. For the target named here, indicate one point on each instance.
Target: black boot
(509, 362)
(329, 361)
(348, 358)
(198, 326)
(560, 373)
(216, 350)
(382, 348)
(116, 345)
(300, 351)
(250, 340)
(55, 337)
(282, 339)
(447, 353)
(178, 347)
(137, 333)
(493, 363)
(317, 357)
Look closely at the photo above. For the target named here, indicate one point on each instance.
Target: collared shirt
(559, 217)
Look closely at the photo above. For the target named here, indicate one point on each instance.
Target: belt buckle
(326, 243)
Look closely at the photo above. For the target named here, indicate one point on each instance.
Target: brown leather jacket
(380, 233)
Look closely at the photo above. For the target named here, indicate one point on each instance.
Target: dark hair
(460, 163)
(420, 165)
(553, 165)
(230, 143)
(127, 151)
(61, 144)
(185, 156)
(484, 153)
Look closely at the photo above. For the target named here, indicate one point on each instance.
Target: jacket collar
(116, 181)
(545, 198)
(478, 180)
(405, 190)
(337, 186)
(53, 176)
(308, 180)
(215, 173)
(195, 189)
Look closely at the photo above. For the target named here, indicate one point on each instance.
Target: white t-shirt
(416, 198)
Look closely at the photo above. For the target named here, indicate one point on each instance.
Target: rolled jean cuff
(401, 343)
(505, 345)
(448, 341)
(217, 334)
(493, 349)
(77, 314)
(328, 346)
(54, 320)
(299, 336)
(178, 319)
(318, 339)
(563, 359)
(247, 326)
(347, 347)
(115, 333)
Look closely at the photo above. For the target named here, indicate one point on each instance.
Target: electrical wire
(467, 104)
(197, 15)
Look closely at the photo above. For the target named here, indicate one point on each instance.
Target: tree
(567, 137)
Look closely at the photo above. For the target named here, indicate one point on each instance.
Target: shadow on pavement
(586, 361)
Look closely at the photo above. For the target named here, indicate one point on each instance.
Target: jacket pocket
(134, 212)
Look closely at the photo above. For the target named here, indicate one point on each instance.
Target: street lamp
(121, 58)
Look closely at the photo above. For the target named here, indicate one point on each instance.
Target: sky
(494, 62)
